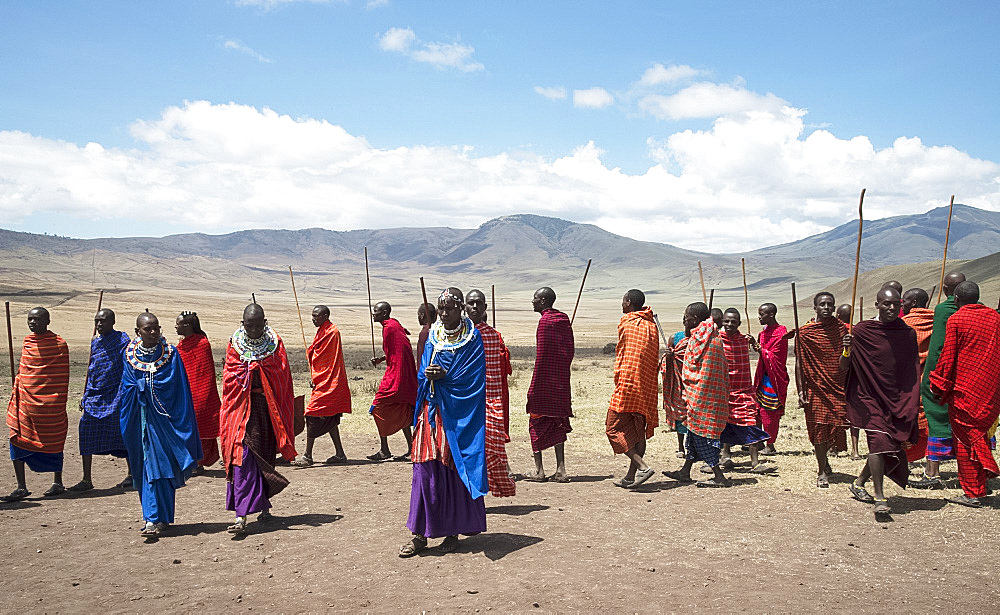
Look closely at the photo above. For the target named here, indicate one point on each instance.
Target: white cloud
(240, 47)
(659, 74)
(552, 93)
(397, 39)
(708, 100)
(440, 55)
(374, 4)
(754, 178)
(592, 98)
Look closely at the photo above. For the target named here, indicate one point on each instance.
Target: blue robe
(459, 401)
(100, 425)
(160, 434)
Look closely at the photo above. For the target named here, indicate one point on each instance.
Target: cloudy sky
(716, 126)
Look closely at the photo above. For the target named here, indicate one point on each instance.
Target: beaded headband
(447, 294)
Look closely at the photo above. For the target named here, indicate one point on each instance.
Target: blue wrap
(104, 374)
(459, 400)
(158, 425)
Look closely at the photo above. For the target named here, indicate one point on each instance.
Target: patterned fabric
(967, 376)
(429, 441)
(199, 365)
(921, 320)
(742, 435)
(636, 359)
(549, 393)
(238, 384)
(699, 448)
(742, 402)
(547, 431)
(706, 382)
(399, 383)
(252, 484)
(254, 349)
(937, 414)
(819, 347)
(673, 387)
(940, 449)
(36, 413)
(331, 393)
(883, 381)
(625, 430)
(772, 362)
(100, 428)
(498, 367)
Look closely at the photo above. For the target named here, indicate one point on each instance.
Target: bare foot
(536, 477)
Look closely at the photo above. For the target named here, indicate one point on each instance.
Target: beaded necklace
(146, 360)
(254, 349)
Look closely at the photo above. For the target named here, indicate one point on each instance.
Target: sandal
(965, 500)
(727, 465)
(535, 478)
(403, 457)
(54, 490)
(642, 476)
(239, 528)
(153, 530)
(16, 495)
(714, 482)
(83, 485)
(764, 467)
(380, 456)
(127, 483)
(416, 545)
(926, 482)
(559, 478)
(336, 459)
(265, 516)
(622, 482)
(822, 482)
(303, 462)
(882, 507)
(448, 545)
(684, 480)
(860, 494)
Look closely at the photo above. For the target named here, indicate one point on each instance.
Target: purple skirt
(247, 491)
(440, 504)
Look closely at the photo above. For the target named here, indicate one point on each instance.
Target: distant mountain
(523, 250)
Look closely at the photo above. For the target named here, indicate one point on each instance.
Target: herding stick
(701, 276)
(368, 280)
(579, 294)
(746, 296)
(947, 232)
(302, 327)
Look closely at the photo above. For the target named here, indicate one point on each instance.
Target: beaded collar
(254, 350)
(147, 360)
(443, 341)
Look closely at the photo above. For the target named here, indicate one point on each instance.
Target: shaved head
(253, 311)
(951, 281)
(966, 293)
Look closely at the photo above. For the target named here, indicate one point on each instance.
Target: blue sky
(708, 125)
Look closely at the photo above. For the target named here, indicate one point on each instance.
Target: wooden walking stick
(746, 296)
(86, 378)
(711, 298)
(861, 311)
(857, 263)
(579, 294)
(493, 303)
(947, 232)
(368, 280)
(795, 349)
(423, 293)
(302, 327)
(10, 344)
(659, 328)
(701, 276)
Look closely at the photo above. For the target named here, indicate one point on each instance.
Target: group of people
(918, 382)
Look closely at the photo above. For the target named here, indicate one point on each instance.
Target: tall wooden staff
(86, 378)
(10, 344)
(302, 327)
(947, 232)
(711, 298)
(701, 276)
(857, 263)
(493, 303)
(746, 296)
(368, 280)
(579, 294)
(423, 293)
(795, 317)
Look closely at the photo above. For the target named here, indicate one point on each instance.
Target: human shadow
(657, 486)
(494, 546)
(290, 522)
(220, 473)
(904, 505)
(840, 478)
(593, 478)
(19, 505)
(516, 510)
(94, 493)
(196, 529)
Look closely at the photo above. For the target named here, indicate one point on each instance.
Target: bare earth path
(586, 545)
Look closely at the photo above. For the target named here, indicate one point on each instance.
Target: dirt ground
(773, 543)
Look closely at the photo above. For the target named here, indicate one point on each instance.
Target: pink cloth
(399, 384)
(773, 356)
